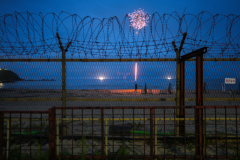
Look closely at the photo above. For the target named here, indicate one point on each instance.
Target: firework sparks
(138, 19)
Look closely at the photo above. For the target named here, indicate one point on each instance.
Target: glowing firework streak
(135, 72)
(138, 19)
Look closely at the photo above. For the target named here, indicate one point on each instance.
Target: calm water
(118, 75)
(212, 84)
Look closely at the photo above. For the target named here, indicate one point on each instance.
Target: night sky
(101, 9)
(109, 8)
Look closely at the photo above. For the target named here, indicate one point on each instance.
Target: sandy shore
(103, 98)
(102, 93)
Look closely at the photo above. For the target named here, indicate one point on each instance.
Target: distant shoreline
(27, 80)
(107, 93)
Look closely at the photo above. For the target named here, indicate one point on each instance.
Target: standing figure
(223, 87)
(135, 86)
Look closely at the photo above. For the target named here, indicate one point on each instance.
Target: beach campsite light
(169, 78)
(169, 86)
(101, 78)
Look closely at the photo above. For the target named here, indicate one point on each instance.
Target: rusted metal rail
(153, 117)
(116, 99)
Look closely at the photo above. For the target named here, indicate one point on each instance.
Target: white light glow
(169, 78)
(1, 85)
(101, 78)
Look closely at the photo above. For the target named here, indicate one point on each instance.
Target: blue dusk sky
(109, 8)
(101, 9)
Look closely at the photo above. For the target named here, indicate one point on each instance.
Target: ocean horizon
(119, 75)
(211, 84)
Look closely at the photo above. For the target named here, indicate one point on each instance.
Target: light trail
(135, 72)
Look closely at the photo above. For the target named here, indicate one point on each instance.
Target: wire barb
(34, 34)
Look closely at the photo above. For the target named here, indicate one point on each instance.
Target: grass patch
(26, 128)
(15, 153)
(138, 126)
(190, 147)
(126, 150)
(84, 148)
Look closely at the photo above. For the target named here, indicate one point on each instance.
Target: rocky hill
(8, 76)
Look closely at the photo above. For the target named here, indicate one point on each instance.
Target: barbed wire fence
(89, 44)
(68, 36)
(32, 34)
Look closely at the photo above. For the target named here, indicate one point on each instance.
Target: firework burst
(138, 19)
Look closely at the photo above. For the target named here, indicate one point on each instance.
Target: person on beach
(223, 87)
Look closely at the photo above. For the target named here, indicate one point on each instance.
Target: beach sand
(103, 98)
(102, 93)
(109, 98)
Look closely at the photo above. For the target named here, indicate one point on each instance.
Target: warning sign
(230, 80)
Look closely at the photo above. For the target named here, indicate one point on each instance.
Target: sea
(118, 75)
(211, 84)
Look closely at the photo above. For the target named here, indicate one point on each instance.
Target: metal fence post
(8, 135)
(182, 96)
(155, 136)
(52, 133)
(199, 99)
(64, 127)
(177, 84)
(178, 93)
(199, 111)
(57, 138)
(102, 133)
(151, 133)
(106, 137)
(1, 133)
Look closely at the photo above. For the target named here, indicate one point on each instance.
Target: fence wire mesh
(35, 34)
(39, 84)
(215, 91)
(101, 72)
(119, 132)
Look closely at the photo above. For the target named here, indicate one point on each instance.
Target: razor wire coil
(35, 34)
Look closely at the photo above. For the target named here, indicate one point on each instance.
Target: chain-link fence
(119, 132)
(113, 83)
(110, 66)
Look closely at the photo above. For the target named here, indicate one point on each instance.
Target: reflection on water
(88, 84)
(212, 84)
